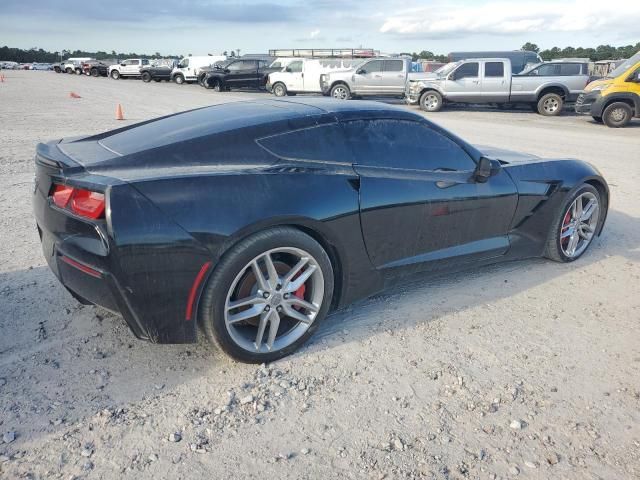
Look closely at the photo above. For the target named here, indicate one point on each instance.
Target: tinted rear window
(323, 143)
(393, 65)
(570, 69)
(494, 69)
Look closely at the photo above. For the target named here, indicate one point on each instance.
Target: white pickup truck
(546, 86)
(127, 68)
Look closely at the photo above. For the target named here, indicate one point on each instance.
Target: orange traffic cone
(74, 95)
(119, 115)
(2, 78)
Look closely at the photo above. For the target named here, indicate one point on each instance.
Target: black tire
(179, 79)
(157, 80)
(115, 74)
(212, 303)
(146, 77)
(69, 70)
(94, 72)
(340, 91)
(78, 71)
(597, 119)
(617, 115)
(57, 69)
(430, 101)
(553, 250)
(279, 89)
(550, 105)
(216, 85)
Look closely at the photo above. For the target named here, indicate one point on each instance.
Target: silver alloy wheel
(431, 102)
(618, 114)
(283, 304)
(278, 90)
(579, 224)
(551, 105)
(340, 92)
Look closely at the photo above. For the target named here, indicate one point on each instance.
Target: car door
(295, 76)
(495, 82)
(367, 79)
(233, 74)
(133, 67)
(393, 77)
(421, 205)
(463, 84)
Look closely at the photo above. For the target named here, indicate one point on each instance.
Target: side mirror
(486, 168)
(452, 76)
(637, 80)
(361, 71)
(288, 70)
(226, 70)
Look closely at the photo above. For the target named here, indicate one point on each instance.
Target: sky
(254, 26)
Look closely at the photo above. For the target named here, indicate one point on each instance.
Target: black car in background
(255, 219)
(156, 73)
(237, 73)
(97, 68)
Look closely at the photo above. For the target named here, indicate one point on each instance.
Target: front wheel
(267, 295)
(431, 101)
(575, 225)
(179, 79)
(341, 92)
(115, 74)
(550, 105)
(617, 115)
(94, 72)
(279, 89)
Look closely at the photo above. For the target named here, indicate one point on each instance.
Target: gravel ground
(526, 369)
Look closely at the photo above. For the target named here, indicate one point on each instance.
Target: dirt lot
(527, 369)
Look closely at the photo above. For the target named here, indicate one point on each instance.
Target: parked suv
(615, 99)
(237, 73)
(378, 76)
(127, 68)
(97, 68)
(546, 87)
(188, 68)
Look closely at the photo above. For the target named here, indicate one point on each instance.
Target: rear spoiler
(49, 155)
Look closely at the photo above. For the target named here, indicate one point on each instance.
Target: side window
(467, 70)
(547, 70)
(295, 67)
(322, 143)
(393, 65)
(135, 62)
(404, 144)
(371, 67)
(235, 66)
(145, 62)
(570, 69)
(494, 69)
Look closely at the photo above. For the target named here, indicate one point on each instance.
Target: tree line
(601, 52)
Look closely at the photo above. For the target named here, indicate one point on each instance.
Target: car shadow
(62, 362)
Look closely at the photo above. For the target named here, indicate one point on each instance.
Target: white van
(73, 64)
(188, 67)
(302, 75)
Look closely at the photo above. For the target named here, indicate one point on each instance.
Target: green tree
(530, 47)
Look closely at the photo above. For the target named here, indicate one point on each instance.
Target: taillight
(80, 201)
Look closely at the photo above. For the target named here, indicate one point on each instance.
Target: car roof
(217, 119)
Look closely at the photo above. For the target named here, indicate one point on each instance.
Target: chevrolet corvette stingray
(253, 220)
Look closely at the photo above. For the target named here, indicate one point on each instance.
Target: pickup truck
(97, 68)
(545, 86)
(237, 73)
(156, 73)
(376, 76)
(127, 68)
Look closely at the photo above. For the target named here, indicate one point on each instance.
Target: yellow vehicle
(615, 99)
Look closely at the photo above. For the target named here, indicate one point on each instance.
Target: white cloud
(495, 17)
(314, 33)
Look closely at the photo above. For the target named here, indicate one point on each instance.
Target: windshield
(625, 66)
(446, 69)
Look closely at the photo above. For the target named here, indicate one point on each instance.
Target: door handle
(302, 75)
(378, 76)
(476, 81)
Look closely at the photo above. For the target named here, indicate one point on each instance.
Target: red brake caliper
(299, 292)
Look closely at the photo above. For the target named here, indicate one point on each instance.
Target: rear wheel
(115, 74)
(69, 70)
(279, 89)
(146, 77)
(267, 295)
(78, 71)
(431, 101)
(617, 115)
(575, 225)
(550, 105)
(341, 92)
(94, 72)
(157, 79)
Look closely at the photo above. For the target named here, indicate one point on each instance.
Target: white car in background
(302, 75)
(188, 68)
(74, 64)
(127, 68)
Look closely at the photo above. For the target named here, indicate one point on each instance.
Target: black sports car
(254, 219)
